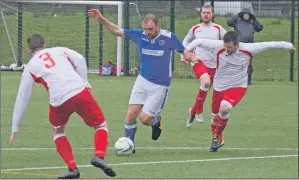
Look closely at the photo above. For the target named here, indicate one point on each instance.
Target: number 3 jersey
(60, 70)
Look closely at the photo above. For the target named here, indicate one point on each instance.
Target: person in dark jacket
(245, 25)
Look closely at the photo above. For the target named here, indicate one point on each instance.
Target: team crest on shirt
(161, 42)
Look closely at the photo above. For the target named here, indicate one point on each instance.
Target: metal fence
(69, 26)
(180, 16)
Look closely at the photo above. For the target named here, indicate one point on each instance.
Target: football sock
(156, 121)
(64, 149)
(199, 101)
(101, 140)
(213, 123)
(220, 125)
(130, 130)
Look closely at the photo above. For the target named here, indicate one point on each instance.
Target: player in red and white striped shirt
(63, 72)
(230, 81)
(205, 70)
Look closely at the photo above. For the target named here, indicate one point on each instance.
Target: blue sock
(156, 121)
(130, 130)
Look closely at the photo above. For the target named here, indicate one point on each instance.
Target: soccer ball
(124, 146)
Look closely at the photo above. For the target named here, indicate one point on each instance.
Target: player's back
(53, 68)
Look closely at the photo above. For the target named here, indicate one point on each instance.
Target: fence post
(1, 40)
(202, 2)
(126, 41)
(172, 27)
(20, 34)
(101, 36)
(213, 5)
(87, 36)
(292, 38)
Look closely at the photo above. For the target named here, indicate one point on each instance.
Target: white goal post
(119, 5)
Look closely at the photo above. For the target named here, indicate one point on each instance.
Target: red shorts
(232, 95)
(199, 69)
(83, 104)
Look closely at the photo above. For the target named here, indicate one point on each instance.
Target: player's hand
(89, 88)
(95, 13)
(183, 60)
(187, 54)
(12, 138)
(292, 49)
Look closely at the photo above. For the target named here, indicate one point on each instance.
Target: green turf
(268, 66)
(267, 117)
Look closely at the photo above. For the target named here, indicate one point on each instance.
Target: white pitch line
(159, 162)
(158, 148)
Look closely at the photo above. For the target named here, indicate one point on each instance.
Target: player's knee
(58, 130)
(103, 126)
(145, 118)
(132, 115)
(225, 107)
(205, 82)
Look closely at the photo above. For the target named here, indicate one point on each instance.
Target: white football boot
(199, 117)
(190, 119)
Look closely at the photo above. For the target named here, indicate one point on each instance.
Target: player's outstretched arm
(113, 28)
(255, 48)
(190, 56)
(22, 101)
(205, 43)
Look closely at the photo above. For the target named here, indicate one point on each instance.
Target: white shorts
(152, 96)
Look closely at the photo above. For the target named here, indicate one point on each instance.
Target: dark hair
(35, 42)
(230, 36)
(152, 17)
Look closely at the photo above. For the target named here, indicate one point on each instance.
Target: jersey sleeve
(188, 38)
(255, 48)
(176, 44)
(78, 61)
(133, 34)
(222, 32)
(22, 99)
(213, 45)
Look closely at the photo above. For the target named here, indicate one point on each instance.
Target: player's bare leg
(101, 144)
(64, 149)
(221, 120)
(197, 110)
(131, 123)
(154, 122)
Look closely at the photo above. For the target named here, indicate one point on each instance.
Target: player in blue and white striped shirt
(150, 91)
